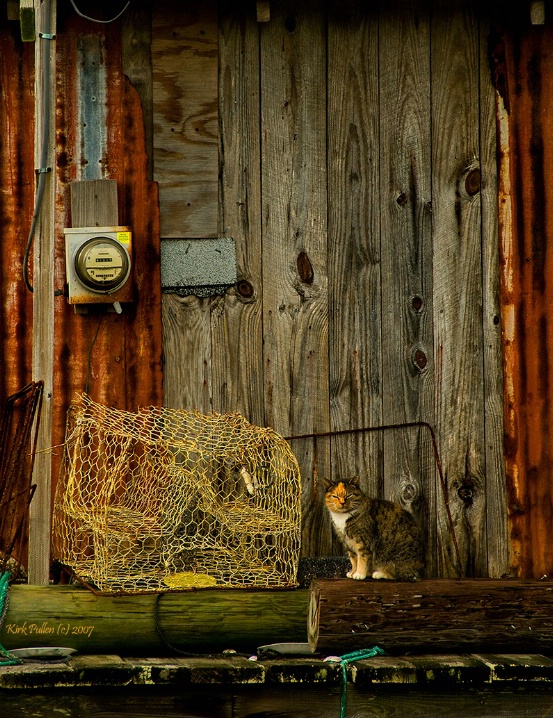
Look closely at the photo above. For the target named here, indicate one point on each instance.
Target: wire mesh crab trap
(168, 499)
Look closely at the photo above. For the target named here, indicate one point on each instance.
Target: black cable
(90, 353)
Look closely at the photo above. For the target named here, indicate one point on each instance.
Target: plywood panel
(354, 242)
(184, 67)
(407, 306)
(458, 337)
(295, 298)
(237, 317)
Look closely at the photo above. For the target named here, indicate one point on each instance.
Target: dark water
(275, 702)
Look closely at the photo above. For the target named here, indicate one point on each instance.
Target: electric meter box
(98, 264)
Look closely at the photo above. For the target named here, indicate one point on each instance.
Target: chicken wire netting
(168, 499)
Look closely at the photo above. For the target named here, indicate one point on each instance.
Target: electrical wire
(93, 19)
(91, 347)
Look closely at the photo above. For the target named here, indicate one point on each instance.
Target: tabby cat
(381, 538)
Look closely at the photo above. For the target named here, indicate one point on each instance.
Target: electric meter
(102, 264)
(98, 264)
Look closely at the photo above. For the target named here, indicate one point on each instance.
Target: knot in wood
(473, 181)
(245, 289)
(420, 360)
(408, 492)
(465, 493)
(305, 268)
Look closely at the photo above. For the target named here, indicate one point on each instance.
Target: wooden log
(205, 621)
(435, 616)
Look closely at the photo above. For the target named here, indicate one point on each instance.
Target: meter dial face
(102, 264)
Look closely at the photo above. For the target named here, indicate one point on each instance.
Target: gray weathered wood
(295, 293)
(185, 99)
(187, 351)
(184, 62)
(43, 315)
(407, 307)
(376, 318)
(457, 286)
(237, 317)
(94, 203)
(355, 348)
(496, 499)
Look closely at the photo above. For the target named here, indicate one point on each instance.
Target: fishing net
(167, 499)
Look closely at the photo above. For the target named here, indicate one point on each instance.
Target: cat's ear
(355, 480)
(326, 483)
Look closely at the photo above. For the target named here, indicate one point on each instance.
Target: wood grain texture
(295, 301)
(355, 357)
(407, 307)
(187, 352)
(237, 316)
(457, 282)
(497, 538)
(184, 66)
(437, 616)
(94, 203)
(237, 619)
(43, 278)
(354, 181)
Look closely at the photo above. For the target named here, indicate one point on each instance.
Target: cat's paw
(357, 575)
(349, 574)
(378, 575)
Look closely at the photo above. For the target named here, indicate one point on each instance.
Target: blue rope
(351, 658)
(6, 658)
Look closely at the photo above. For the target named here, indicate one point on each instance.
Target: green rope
(6, 658)
(351, 658)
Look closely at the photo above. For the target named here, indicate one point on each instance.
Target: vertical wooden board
(184, 67)
(354, 242)
(406, 247)
(458, 336)
(94, 203)
(187, 353)
(237, 353)
(44, 362)
(496, 499)
(295, 299)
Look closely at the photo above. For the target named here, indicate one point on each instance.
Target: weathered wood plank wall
(357, 176)
(355, 362)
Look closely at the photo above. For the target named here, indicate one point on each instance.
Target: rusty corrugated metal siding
(523, 59)
(102, 137)
(119, 357)
(17, 180)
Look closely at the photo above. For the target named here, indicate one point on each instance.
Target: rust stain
(17, 178)
(116, 356)
(525, 131)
